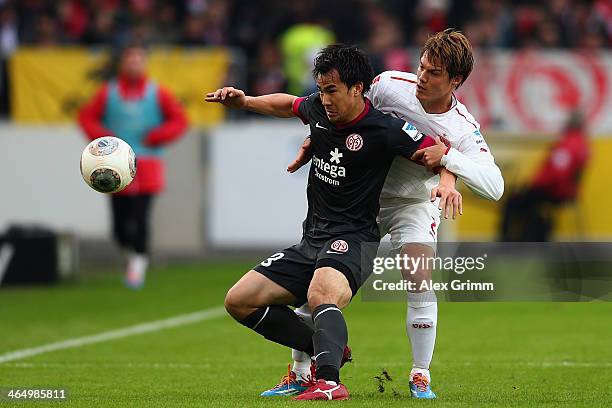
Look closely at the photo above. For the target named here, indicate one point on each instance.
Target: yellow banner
(50, 85)
(518, 159)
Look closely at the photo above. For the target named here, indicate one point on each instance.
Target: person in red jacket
(148, 117)
(556, 182)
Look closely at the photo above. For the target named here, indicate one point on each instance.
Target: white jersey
(469, 158)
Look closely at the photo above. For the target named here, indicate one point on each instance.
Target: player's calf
(257, 303)
(331, 334)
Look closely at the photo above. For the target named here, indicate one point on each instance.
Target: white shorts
(408, 221)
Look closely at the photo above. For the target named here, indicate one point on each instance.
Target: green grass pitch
(487, 354)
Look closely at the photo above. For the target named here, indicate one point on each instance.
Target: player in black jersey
(353, 146)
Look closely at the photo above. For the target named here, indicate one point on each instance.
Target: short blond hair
(451, 50)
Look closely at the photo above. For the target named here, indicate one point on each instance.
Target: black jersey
(349, 165)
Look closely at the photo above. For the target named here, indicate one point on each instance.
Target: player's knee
(319, 296)
(315, 298)
(234, 304)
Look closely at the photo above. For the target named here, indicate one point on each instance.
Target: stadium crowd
(274, 34)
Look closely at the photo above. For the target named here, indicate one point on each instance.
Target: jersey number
(273, 258)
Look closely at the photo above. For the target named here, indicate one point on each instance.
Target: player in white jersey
(407, 213)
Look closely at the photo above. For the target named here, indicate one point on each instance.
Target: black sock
(281, 325)
(329, 339)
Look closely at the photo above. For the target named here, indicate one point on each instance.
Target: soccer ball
(108, 164)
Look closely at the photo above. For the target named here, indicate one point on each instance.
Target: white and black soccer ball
(108, 164)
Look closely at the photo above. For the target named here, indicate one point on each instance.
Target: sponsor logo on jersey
(412, 131)
(354, 142)
(333, 170)
(477, 133)
(340, 245)
(335, 156)
(320, 127)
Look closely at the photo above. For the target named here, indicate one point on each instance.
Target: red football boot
(324, 390)
(347, 356)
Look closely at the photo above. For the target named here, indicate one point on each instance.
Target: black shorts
(293, 268)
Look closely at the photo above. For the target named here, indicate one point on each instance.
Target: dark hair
(353, 65)
(110, 69)
(451, 50)
(130, 45)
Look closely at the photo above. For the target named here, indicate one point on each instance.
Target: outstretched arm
(279, 105)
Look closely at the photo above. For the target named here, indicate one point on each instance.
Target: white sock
(420, 371)
(301, 360)
(137, 266)
(421, 322)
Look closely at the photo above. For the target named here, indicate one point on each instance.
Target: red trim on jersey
(457, 109)
(404, 79)
(427, 142)
(295, 107)
(364, 112)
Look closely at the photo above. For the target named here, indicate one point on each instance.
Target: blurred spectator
(433, 14)
(268, 75)
(8, 31)
(528, 214)
(47, 32)
(386, 27)
(168, 30)
(28, 13)
(193, 31)
(74, 18)
(102, 29)
(8, 44)
(549, 23)
(147, 116)
(299, 45)
(216, 24)
(385, 47)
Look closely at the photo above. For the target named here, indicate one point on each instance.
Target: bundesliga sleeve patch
(411, 131)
